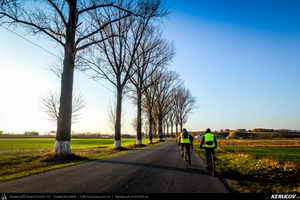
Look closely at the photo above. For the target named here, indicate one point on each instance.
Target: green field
(280, 153)
(28, 144)
(21, 157)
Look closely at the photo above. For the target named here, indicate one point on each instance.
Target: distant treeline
(261, 130)
(275, 130)
(26, 133)
(53, 134)
(257, 133)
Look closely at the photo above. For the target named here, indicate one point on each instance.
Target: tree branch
(106, 5)
(58, 11)
(94, 42)
(99, 29)
(33, 25)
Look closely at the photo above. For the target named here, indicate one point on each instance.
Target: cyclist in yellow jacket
(185, 140)
(209, 143)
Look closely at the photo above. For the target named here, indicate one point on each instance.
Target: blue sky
(239, 58)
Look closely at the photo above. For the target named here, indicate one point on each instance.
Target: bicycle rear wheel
(213, 167)
(186, 157)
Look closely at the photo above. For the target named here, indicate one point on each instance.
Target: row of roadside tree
(117, 40)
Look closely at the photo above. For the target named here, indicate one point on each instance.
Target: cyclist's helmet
(184, 130)
(208, 130)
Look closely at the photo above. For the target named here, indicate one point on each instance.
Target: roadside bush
(31, 133)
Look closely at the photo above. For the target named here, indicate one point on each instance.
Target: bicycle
(211, 163)
(186, 157)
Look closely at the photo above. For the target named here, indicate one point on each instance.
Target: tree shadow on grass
(61, 159)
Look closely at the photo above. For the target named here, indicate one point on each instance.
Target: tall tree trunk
(160, 129)
(167, 130)
(63, 136)
(181, 126)
(139, 118)
(117, 143)
(176, 129)
(172, 133)
(150, 130)
(64, 122)
(155, 128)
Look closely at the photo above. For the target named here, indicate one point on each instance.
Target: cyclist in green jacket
(209, 143)
(185, 140)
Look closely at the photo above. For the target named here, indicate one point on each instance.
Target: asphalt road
(158, 169)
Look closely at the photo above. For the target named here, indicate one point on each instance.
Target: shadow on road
(159, 150)
(190, 170)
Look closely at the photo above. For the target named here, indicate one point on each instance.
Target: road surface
(157, 169)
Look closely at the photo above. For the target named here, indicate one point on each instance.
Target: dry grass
(260, 143)
(259, 166)
(250, 174)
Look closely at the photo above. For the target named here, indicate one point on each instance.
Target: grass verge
(9, 145)
(21, 164)
(247, 172)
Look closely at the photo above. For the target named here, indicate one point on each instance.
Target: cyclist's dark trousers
(207, 151)
(188, 146)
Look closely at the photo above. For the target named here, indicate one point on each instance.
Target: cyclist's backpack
(185, 135)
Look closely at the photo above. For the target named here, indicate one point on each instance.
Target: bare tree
(149, 102)
(69, 23)
(169, 81)
(166, 127)
(50, 105)
(171, 118)
(146, 128)
(113, 59)
(154, 53)
(184, 103)
(133, 124)
(112, 115)
(176, 119)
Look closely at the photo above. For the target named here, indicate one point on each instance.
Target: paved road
(158, 169)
